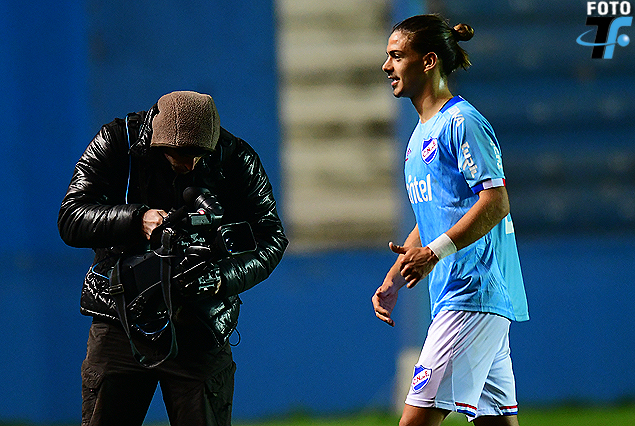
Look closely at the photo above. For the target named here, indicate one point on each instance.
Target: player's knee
(416, 416)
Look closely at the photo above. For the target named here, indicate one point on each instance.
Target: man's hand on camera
(152, 219)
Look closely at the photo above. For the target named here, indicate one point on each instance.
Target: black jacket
(103, 210)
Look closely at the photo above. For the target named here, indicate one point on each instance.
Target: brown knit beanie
(186, 120)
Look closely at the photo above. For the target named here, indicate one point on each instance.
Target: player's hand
(415, 263)
(152, 219)
(384, 301)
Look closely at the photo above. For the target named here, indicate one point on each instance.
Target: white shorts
(465, 366)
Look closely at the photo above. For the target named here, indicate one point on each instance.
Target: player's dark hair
(432, 33)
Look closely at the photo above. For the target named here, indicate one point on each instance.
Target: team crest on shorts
(429, 150)
(420, 378)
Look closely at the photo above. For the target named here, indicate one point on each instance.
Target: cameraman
(130, 177)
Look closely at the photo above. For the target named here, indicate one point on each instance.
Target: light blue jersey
(450, 158)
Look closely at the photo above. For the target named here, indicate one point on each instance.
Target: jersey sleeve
(478, 152)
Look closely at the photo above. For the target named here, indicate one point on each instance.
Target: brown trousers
(197, 385)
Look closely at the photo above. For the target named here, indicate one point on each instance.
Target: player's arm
(488, 182)
(385, 297)
(415, 263)
(492, 207)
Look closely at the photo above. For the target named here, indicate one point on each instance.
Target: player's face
(404, 67)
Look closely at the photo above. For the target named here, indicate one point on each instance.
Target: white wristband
(443, 246)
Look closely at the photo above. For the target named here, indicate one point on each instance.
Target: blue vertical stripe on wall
(43, 113)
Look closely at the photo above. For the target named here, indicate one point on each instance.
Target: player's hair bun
(432, 33)
(463, 32)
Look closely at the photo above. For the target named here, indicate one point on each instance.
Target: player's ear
(429, 61)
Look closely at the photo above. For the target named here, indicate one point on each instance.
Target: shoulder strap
(133, 122)
(132, 133)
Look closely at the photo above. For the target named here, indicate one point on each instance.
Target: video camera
(189, 238)
(200, 217)
(186, 247)
(196, 234)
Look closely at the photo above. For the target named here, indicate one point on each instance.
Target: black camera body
(187, 245)
(197, 227)
(191, 239)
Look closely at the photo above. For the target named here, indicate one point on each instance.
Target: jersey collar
(449, 104)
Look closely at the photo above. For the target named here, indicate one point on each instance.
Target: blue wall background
(310, 340)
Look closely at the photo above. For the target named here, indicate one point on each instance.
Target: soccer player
(463, 240)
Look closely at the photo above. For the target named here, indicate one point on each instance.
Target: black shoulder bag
(150, 311)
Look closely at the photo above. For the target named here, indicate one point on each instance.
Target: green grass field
(623, 415)
(564, 416)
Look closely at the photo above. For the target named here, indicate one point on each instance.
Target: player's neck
(431, 105)
(432, 99)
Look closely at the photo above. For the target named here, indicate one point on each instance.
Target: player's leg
(433, 367)
(455, 363)
(420, 416)
(497, 405)
(496, 421)
(439, 377)
(479, 343)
